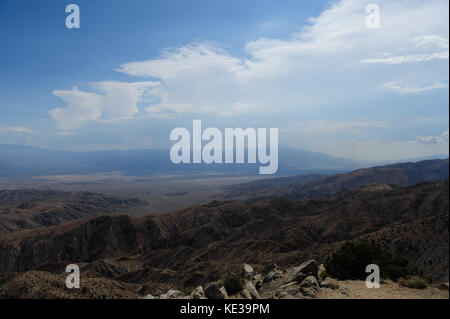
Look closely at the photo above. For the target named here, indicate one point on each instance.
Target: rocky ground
(304, 282)
(301, 282)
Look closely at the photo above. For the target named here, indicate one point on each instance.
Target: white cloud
(319, 64)
(120, 100)
(403, 88)
(443, 138)
(114, 101)
(16, 129)
(410, 58)
(432, 41)
(429, 47)
(80, 107)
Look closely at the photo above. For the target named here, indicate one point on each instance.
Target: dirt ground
(387, 290)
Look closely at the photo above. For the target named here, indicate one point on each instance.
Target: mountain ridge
(196, 245)
(296, 187)
(31, 209)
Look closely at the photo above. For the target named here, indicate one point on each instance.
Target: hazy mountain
(197, 245)
(16, 160)
(417, 159)
(295, 187)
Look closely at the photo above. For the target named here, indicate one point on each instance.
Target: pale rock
(251, 289)
(273, 275)
(344, 291)
(310, 287)
(198, 293)
(288, 289)
(247, 271)
(173, 294)
(308, 268)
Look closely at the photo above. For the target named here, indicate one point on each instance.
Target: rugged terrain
(315, 185)
(198, 245)
(299, 282)
(31, 209)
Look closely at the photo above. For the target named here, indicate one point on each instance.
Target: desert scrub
(233, 284)
(323, 275)
(350, 262)
(415, 282)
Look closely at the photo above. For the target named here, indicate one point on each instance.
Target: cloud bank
(333, 60)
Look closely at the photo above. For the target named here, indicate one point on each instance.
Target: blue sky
(137, 69)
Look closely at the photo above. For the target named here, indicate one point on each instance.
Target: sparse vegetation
(233, 284)
(323, 275)
(415, 282)
(350, 262)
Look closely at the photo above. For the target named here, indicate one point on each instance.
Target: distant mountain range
(18, 160)
(25, 161)
(316, 185)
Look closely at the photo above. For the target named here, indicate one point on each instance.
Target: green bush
(233, 284)
(323, 275)
(351, 260)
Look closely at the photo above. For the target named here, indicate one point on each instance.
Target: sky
(137, 69)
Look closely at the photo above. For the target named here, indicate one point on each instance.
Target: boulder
(309, 267)
(258, 280)
(272, 275)
(299, 273)
(223, 292)
(149, 296)
(250, 287)
(288, 289)
(344, 291)
(269, 268)
(310, 287)
(198, 293)
(247, 271)
(310, 281)
(174, 294)
(214, 291)
(330, 283)
(300, 277)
